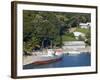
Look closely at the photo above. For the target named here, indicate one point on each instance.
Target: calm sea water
(67, 61)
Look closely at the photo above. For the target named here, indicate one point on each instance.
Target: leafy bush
(68, 37)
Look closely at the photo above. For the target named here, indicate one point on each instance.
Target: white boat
(51, 56)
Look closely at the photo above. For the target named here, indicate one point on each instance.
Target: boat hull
(48, 59)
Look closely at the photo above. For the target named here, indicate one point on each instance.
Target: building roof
(85, 24)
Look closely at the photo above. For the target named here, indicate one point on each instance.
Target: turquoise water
(83, 59)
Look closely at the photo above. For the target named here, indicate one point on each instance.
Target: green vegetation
(39, 27)
(87, 33)
(82, 30)
(68, 37)
(88, 37)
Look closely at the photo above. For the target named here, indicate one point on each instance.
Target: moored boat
(51, 56)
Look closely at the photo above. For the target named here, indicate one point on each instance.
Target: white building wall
(73, 47)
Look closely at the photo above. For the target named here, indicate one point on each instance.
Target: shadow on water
(83, 59)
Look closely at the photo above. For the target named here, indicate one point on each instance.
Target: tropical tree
(39, 25)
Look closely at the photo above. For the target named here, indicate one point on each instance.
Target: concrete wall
(73, 47)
